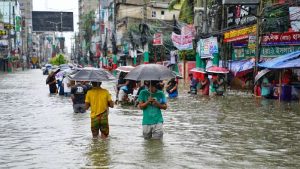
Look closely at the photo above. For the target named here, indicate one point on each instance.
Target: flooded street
(41, 131)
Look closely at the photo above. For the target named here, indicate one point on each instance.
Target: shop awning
(241, 67)
(291, 60)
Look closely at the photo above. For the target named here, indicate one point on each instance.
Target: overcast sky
(60, 5)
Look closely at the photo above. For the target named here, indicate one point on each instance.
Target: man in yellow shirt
(99, 100)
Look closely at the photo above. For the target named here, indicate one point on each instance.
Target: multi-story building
(85, 7)
(10, 26)
(26, 8)
(133, 12)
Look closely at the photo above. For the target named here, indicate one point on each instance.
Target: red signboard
(158, 39)
(290, 38)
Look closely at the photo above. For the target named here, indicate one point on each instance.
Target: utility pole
(100, 24)
(205, 24)
(15, 24)
(258, 37)
(114, 45)
(9, 66)
(146, 52)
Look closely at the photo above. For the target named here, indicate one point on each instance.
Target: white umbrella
(260, 74)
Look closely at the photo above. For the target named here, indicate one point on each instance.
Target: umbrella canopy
(177, 75)
(260, 74)
(150, 72)
(278, 62)
(216, 69)
(48, 65)
(198, 70)
(125, 68)
(92, 74)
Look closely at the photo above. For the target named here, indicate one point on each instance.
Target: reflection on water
(235, 131)
(99, 154)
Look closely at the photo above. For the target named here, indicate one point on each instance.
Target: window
(153, 14)
(162, 13)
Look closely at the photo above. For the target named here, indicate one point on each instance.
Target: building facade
(10, 37)
(26, 8)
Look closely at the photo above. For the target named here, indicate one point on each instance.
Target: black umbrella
(93, 75)
(105, 45)
(176, 29)
(150, 72)
(114, 44)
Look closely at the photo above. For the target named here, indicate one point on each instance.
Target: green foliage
(58, 60)
(173, 3)
(187, 12)
(88, 21)
(190, 55)
(1, 16)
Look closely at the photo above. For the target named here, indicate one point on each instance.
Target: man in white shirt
(67, 86)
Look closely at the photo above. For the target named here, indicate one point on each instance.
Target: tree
(1, 17)
(186, 14)
(58, 60)
(88, 22)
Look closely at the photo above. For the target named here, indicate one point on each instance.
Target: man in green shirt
(151, 101)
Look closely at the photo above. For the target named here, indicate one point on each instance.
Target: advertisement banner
(157, 39)
(271, 51)
(188, 29)
(182, 42)
(1, 26)
(251, 42)
(295, 18)
(287, 38)
(239, 34)
(242, 2)
(207, 47)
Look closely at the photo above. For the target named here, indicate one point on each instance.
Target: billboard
(43, 21)
(158, 39)
(240, 2)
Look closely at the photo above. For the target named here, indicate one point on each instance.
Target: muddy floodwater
(236, 131)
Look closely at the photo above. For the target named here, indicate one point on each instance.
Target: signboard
(272, 51)
(207, 47)
(1, 26)
(3, 42)
(43, 21)
(239, 15)
(18, 24)
(287, 38)
(239, 34)
(234, 2)
(158, 39)
(8, 26)
(133, 53)
(188, 29)
(3, 32)
(251, 42)
(295, 18)
(182, 42)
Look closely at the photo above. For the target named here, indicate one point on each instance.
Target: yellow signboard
(239, 34)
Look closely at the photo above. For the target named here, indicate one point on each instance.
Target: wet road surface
(237, 131)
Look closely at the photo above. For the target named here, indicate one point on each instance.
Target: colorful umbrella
(216, 69)
(198, 70)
